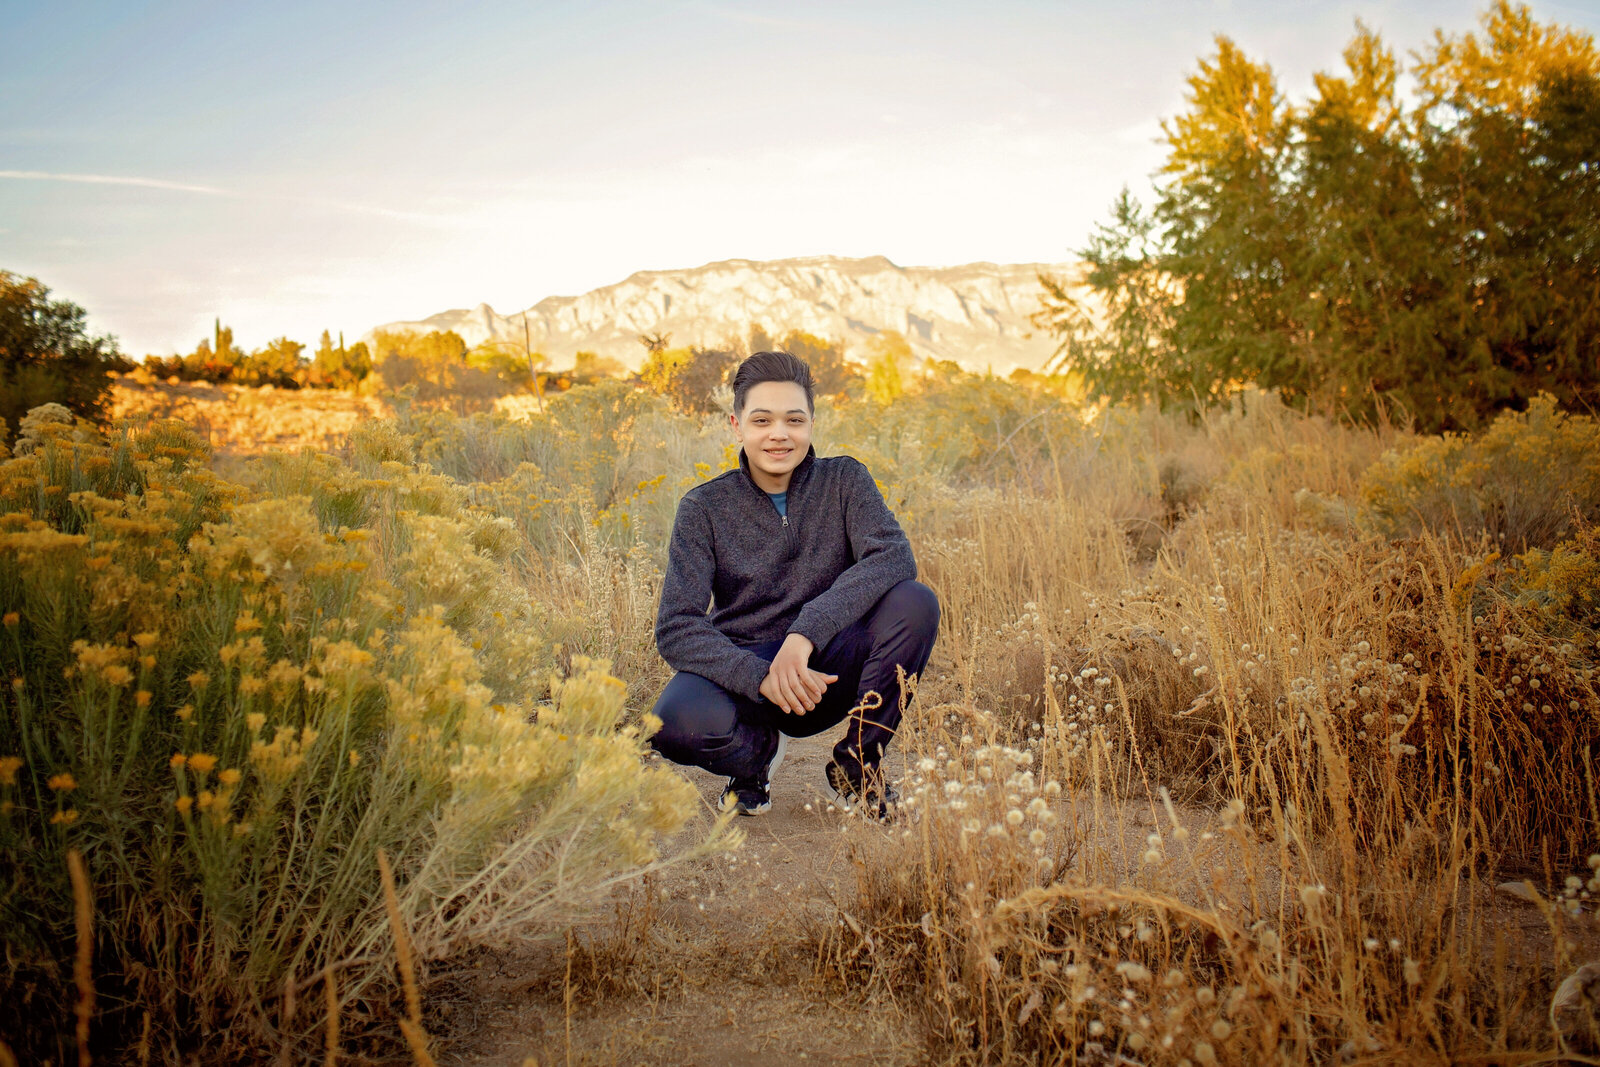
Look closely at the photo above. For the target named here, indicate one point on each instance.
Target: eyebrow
(768, 411)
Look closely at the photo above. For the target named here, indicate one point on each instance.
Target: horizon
(306, 169)
(688, 269)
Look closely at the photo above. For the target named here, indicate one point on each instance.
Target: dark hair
(772, 367)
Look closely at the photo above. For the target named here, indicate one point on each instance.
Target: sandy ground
(718, 974)
(722, 968)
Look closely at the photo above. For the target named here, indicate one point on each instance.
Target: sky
(294, 167)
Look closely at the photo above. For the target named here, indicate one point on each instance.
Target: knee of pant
(668, 740)
(684, 729)
(917, 604)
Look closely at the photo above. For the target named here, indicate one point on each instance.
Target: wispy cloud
(211, 190)
(114, 179)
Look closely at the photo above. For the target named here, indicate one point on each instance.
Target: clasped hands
(790, 683)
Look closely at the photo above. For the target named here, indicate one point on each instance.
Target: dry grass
(1240, 796)
(244, 419)
(1204, 771)
(1343, 744)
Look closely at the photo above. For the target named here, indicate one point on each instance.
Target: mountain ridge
(976, 314)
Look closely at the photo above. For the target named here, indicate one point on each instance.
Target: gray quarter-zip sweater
(812, 572)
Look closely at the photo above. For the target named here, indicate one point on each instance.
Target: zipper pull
(785, 521)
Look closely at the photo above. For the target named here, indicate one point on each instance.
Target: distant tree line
(280, 363)
(1358, 252)
(47, 354)
(435, 367)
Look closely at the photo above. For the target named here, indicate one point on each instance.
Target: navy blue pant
(704, 725)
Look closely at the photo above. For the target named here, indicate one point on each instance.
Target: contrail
(111, 179)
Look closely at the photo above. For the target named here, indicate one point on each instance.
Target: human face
(775, 432)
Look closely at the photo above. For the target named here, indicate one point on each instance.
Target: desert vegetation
(232, 698)
(1261, 726)
(1347, 675)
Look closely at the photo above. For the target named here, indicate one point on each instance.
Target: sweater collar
(796, 478)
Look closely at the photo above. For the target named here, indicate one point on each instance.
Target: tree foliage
(591, 367)
(825, 357)
(47, 355)
(279, 363)
(438, 369)
(688, 377)
(889, 365)
(337, 367)
(1357, 252)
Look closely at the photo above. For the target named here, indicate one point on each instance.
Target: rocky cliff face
(977, 314)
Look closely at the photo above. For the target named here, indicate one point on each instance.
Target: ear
(733, 424)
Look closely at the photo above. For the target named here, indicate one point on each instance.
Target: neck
(770, 483)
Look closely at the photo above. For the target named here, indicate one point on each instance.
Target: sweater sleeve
(883, 560)
(684, 634)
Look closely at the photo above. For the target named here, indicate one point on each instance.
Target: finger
(803, 688)
(798, 705)
(823, 680)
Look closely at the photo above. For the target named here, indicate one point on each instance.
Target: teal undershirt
(781, 502)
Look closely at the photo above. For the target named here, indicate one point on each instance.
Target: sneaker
(876, 797)
(746, 796)
(749, 796)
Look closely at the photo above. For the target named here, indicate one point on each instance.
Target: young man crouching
(814, 603)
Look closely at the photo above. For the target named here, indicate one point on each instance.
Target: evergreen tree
(280, 363)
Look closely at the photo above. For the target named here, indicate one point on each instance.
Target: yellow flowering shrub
(1564, 582)
(1522, 480)
(229, 698)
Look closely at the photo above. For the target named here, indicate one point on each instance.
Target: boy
(814, 602)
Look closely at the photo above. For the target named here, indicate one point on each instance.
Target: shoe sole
(730, 802)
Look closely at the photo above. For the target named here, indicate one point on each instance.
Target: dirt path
(715, 962)
(707, 965)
